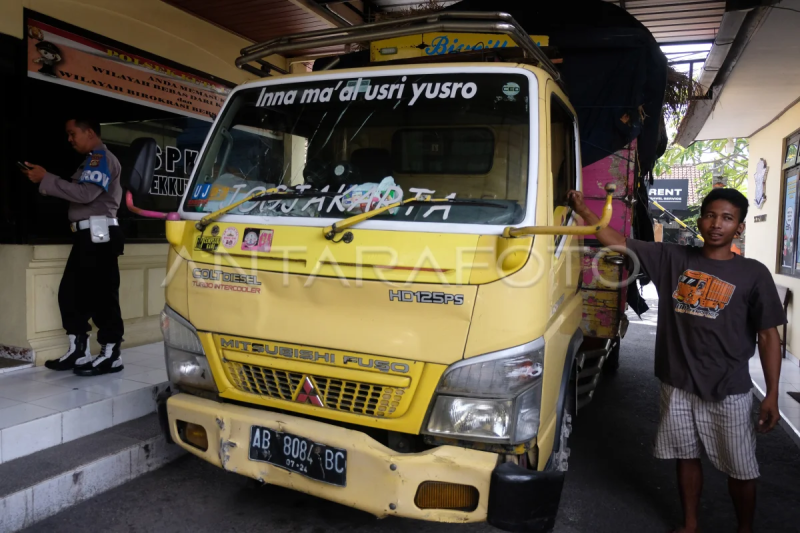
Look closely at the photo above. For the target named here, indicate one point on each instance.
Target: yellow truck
(373, 281)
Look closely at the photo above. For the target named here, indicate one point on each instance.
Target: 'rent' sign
(672, 194)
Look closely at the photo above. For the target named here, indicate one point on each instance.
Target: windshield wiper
(331, 231)
(263, 195)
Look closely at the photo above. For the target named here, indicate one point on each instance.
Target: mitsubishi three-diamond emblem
(308, 393)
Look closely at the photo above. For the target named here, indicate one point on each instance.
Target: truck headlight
(495, 397)
(185, 357)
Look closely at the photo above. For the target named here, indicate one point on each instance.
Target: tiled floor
(40, 408)
(790, 381)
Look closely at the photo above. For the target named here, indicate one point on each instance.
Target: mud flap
(522, 500)
(161, 408)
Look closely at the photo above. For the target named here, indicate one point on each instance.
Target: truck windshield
(367, 142)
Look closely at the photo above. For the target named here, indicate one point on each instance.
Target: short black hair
(729, 195)
(86, 122)
(47, 46)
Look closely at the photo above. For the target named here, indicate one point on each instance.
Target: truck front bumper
(380, 481)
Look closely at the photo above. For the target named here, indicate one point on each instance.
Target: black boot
(77, 351)
(107, 361)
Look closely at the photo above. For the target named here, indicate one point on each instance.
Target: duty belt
(84, 224)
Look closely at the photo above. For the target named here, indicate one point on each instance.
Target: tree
(727, 158)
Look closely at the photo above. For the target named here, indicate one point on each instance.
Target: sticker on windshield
(230, 237)
(511, 90)
(370, 196)
(362, 85)
(354, 88)
(257, 240)
(218, 193)
(200, 195)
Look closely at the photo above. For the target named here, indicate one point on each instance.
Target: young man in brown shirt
(713, 307)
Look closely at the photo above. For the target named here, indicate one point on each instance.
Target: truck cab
(373, 289)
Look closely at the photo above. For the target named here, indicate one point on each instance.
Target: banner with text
(670, 193)
(66, 58)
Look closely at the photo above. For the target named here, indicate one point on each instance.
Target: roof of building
(757, 82)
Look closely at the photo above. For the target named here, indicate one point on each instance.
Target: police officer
(90, 284)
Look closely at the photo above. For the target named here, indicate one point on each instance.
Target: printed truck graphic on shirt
(702, 294)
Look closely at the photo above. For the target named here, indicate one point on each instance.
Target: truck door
(560, 174)
(564, 174)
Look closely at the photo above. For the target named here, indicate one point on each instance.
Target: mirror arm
(568, 230)
(145, 213)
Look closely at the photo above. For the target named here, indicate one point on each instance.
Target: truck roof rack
(446, 21)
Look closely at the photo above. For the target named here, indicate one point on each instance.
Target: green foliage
(712, 158)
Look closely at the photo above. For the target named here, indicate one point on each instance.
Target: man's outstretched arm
(607, 236)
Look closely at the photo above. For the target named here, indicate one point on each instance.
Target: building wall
(150, 25)
(763, 237)
(29, 318)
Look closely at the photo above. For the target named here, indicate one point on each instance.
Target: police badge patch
(95, 170)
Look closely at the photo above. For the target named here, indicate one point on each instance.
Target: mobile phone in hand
(23, 166)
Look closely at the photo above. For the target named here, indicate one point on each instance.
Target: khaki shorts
(725, 430)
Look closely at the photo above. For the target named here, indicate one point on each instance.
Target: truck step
(594, 353)
(591, 371)
(588, 387)
(584, 400)
(589, 365)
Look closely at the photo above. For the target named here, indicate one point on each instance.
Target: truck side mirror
(137, 174)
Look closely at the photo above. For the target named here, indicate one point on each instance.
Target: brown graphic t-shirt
(709, 315)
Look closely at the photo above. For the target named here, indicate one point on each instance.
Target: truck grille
(341, 395)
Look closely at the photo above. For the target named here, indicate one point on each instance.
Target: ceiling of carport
(670, 21)
(256, 20)
(677, 21)
(263, 20)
